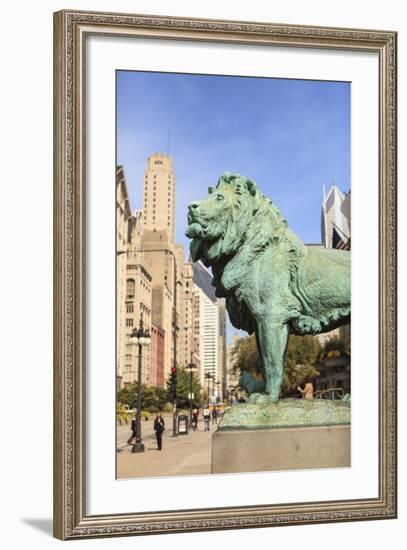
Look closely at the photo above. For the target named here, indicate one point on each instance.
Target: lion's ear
(251, 186)
(256, 203)
(211, 190)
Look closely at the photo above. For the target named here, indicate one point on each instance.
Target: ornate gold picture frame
(72, 29)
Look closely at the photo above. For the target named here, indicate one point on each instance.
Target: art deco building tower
(159, 195)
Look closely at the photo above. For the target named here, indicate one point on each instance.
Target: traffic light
(174, 382)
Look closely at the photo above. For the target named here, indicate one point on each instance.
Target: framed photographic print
(225, 274)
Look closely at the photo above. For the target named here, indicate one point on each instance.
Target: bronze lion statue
(273, 283)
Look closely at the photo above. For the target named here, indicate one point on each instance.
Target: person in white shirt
(207, 418)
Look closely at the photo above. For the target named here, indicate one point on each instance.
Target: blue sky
(290, 136)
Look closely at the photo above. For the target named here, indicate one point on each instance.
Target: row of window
(155, 198)
(130, 321)
(155, 175)
(155, 191)
(146, 194)
(170, 186)
(153, 221)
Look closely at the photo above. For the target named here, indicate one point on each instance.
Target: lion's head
(233, 213)
(218, 223)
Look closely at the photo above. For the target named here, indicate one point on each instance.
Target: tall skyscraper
(209, 329)
(164, 258)
(159, 194)
(212, 328)
(335, 218)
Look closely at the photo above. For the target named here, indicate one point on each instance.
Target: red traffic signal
(174, 370)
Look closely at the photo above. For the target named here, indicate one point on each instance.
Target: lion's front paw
(250, 383)
(307, 325)
(254, 397)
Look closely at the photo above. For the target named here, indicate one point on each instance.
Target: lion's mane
(251, 224)
(253, 220)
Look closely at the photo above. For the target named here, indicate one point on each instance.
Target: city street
(183, 455)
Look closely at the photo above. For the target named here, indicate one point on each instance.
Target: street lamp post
(140, 338)
(208, 377)
(217, 390)
(213, 388)
(191, 367)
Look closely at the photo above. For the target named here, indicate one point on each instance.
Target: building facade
(336, 233)
(133, 288)
(157, 378)
(123, 214)
(138, 304)
(147, 272)
(165, 264)
(187, 353)
(174, 298)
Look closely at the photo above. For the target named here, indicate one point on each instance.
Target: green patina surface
(273, 283)
(286, 413)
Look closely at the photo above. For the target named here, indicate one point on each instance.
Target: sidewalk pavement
(182, 455)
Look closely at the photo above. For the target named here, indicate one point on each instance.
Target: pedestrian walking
(214, 415)
(159, 427)
(133, 428)
(207, 418)
(195, 414)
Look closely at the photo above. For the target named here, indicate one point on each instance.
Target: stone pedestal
(288, 448)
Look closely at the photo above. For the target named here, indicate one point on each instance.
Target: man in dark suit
(159, 427)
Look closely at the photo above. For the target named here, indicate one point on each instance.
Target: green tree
(127, 395)
(152, 398)
(184, 387)
(246, 356)
(333, 346)
(301, 354)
